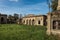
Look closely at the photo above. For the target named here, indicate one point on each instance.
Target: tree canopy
(54, 4)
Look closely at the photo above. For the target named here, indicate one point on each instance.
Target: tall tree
(49, 4)
(16, 16)
(10, 18)
(54, 4)
(20, 16)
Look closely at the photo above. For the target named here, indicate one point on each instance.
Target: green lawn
(23, 32)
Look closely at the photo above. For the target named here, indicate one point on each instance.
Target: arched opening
(54, 24)
(26, 21)
(2, 20)
(33, 22)
(30, 22)
(38, 21)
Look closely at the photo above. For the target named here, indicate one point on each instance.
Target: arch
(2, 20)
(33, 22)
(38, 21)
(24, 21)
(30, 22)
(54, 24)
(27, 21)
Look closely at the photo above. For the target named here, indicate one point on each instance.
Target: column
(49, 24)
(58, 7)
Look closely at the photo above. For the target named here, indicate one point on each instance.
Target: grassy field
(23, 32)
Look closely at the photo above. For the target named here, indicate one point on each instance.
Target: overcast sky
(23, 7)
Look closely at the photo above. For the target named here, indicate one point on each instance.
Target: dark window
(54, 24)
(2, 20)
(39, 22)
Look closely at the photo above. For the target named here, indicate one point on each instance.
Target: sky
(24, 7)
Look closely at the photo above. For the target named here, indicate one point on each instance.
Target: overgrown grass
(23, 32)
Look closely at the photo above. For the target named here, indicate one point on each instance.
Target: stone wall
(34, 20)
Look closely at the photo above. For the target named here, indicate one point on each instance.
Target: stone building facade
(53, 21)
(34, 20)
(3, 18)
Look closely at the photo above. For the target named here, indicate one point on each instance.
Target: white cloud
(14, 0)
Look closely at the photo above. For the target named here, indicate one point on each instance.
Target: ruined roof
(34, 16)
(39, 15)
(30, 15)
(57, 12)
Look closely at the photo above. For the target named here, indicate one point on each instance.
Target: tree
(54, 4)
(10, 18)
(49, 4)
(20, 20)
(16, 16)
(20, 16)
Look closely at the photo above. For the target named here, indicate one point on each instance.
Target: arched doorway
(23, 21)
(30, 22)
(54, 24)
(2, 20)
(26, 21)
(33, 22)
(38, 21)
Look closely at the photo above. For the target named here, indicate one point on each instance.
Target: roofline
(34, 16)
(3, 14)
